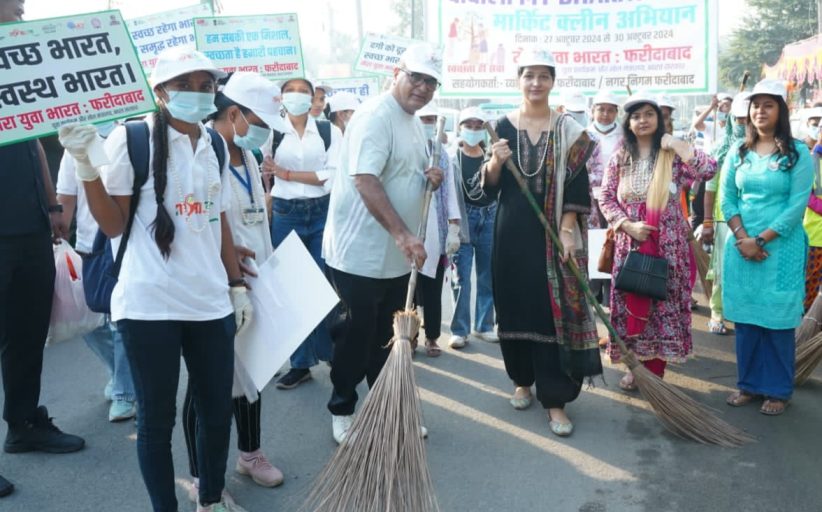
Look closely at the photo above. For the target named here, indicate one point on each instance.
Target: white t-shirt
(243, 216)
(385, 141)
(306, 154)
(192, 283)
(67, 186)
(708, 136)
(608, 144)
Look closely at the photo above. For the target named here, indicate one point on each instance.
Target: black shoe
(294, 378)
(6, 487)
(40, 434)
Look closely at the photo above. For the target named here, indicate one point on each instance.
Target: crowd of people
(236, 163)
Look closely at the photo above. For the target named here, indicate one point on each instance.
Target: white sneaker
(489, 336)
(424, 432)
(457, 342)
(223, 506)
(340, 425)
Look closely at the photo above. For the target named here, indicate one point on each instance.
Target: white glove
(452, 241)
(77, 139)
(243, 310)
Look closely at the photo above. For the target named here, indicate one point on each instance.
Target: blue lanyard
(246, 183)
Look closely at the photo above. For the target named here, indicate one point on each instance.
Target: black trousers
(360, 351)
(246, 417)
(26, 290)
(429, 296)
(529, 362)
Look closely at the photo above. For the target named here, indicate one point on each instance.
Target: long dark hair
(782, 136)
(163, 225)
(630, 141)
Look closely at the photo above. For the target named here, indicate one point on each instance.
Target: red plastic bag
(70, 316)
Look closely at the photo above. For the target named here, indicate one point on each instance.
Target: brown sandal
(432, 349)
(783, 404)
(739, 398)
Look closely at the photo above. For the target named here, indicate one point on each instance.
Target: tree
(764, 31)
(403, 10)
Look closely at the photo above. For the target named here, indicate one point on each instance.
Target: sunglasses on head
(418, 78)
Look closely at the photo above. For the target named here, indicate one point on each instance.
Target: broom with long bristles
(808, 357)
(381, 465)
(703, 263)
(678, 412)
(811, 323)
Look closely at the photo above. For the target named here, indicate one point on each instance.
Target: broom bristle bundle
(808, 357)
(810, 325)
(703, 266)
(381, 465)
(683, 416)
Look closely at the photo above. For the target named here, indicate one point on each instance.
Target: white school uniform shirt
(432, 234)
(67, 186)
(192, 284)
(385, 141)
(306, 154)
(256, 237)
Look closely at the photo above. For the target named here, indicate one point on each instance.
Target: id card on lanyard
(256, 213)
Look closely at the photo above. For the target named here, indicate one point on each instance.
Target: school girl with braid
(180, 288)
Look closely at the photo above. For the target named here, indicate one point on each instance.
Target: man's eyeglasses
(418, 78)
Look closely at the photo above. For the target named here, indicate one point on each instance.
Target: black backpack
(100, 269)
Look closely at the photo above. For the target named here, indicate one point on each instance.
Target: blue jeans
(154, 349)
(107, 342)
(307, 218)
(481, 226)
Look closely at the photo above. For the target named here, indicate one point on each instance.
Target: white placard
(596, 239)
(291, 296)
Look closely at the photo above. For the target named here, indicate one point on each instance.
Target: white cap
(319, 84)
(739, 107)
(607, 98)
(428, 110)
(640, 97)
(664, 100)
(423, 58)
(536, 57)
(343, 100)
(471, 113)
(281, 83)
(257, 94)
(723, 96)
(177, 61)
(574, 101)
(812, 113)
(771, 88)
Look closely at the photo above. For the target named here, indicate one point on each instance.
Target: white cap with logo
(428, 110)
(663, 100)
(739, 106)
(536, 57)
(257, 94)
(574, 101)
(343, 100)
(174, 62)
(771, 88)
(423, 58)
(640, 97)
(607, 98)
(812, 113)
(724, 96)
(471, 113)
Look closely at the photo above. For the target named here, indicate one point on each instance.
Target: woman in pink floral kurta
(667, 334)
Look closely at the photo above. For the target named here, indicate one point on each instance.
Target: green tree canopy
(766, 28)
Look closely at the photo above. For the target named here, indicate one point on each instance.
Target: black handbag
(644, 275)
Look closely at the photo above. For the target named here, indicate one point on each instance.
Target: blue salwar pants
(765, 360)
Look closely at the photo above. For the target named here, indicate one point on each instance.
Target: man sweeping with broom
(376, 206)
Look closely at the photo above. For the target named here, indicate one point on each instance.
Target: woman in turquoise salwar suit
(766, 183)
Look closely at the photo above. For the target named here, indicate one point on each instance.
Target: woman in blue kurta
(765, 187)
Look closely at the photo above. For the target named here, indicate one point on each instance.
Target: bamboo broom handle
(555, 239)
(436, 153)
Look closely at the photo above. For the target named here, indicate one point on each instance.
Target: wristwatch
(760, 241)
(56, 208)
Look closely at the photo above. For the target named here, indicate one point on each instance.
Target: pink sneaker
(255, 465)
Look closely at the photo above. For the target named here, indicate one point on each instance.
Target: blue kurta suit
(765, 298)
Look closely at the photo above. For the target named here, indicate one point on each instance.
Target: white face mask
(604, 128)
(813, 132)
(580, 117)
(296, 103)
(429, 130)
(472, 137)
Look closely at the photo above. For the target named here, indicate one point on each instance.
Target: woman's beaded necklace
(541, 161)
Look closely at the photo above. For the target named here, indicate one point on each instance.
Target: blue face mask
(472, 137)
(721, 116)
(296, 103)
(255, 138)
(429, 130)
(190, 107)
(604, 128)
(739, 130)
(813, 132)
(105, 129)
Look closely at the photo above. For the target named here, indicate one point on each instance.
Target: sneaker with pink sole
(256, 465)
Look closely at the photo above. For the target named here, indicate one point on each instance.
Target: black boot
(39, 434)
(6, 487)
